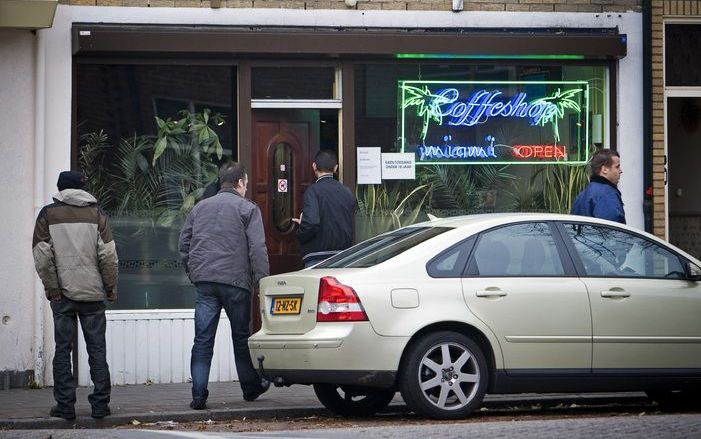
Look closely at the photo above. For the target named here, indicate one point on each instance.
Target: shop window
(293, 83)
(466, 163)
(147, 174)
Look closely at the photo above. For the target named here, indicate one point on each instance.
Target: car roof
(509, 217)
(486, 220)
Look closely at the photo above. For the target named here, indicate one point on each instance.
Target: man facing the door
(222, 247)
(326, 221)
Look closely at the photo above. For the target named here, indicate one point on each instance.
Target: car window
(451, 262)
(609, 252)
(526, 249)
(381, 248)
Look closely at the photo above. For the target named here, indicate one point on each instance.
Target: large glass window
(525, 130)
(293, 83)
(150, 140)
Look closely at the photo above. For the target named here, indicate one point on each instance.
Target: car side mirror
(694, 272)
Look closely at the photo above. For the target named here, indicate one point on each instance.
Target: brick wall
(434, 5)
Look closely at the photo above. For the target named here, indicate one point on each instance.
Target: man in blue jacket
(601, 198)
(222, 247)
(326, 222)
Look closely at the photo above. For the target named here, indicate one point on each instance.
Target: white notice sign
(369, 171)
(398, 166)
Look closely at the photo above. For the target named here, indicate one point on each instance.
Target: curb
(493, 402)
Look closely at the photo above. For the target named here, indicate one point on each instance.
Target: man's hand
(53, 294)
(112, 295)
(298, 221)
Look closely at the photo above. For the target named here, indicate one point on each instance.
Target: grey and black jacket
(74, 252)
(223, 241)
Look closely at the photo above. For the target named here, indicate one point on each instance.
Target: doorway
(284, 144)
(683, 157)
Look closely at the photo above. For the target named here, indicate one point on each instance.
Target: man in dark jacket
(76, 259)
(326, 222)
(222, 247)
(601, 198)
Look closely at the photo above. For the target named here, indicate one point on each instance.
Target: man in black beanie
(76, 259)
(71, 180)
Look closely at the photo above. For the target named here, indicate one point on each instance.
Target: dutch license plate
(286, 305)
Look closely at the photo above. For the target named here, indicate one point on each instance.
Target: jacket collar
(229, 188)
(604, 180)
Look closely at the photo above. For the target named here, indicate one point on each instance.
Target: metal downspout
(39, 171)
(647, 116)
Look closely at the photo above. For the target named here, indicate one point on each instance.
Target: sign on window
(495, 122)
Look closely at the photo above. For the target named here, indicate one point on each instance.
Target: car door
(521, 283)
(645, 315)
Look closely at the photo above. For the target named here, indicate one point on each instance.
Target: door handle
(615, 294)
(490, 293)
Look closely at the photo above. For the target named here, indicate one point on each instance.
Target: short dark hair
(325, 160)
(601, 158)
(231, 172)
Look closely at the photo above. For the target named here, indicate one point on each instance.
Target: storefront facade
(434, 112)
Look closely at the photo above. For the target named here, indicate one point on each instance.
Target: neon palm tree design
(428, 106)
(562, 101)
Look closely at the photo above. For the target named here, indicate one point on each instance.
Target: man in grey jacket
(76, 259)
(222, 247)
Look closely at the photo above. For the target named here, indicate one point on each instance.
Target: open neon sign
(467, 122)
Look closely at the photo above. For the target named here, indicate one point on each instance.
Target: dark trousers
(93, 322)
(211, 298)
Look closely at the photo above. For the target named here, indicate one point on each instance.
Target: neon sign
(468, 122)
(540, 151)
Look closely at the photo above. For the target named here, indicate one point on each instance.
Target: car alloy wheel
(353, 400)
(444, 376)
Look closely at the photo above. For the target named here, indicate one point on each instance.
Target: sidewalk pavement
(29, 408)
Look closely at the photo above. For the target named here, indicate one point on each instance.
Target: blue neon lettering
(482, 104)
(458, 151)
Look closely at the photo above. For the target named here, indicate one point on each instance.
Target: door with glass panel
(284, 144)
(645, 314)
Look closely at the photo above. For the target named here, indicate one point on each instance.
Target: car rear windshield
(381, 248)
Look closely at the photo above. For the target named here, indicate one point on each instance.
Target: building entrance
(683, 176)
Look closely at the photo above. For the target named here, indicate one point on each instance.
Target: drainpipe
(39, 171)
(647, 116)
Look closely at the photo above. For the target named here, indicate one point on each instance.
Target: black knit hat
(70, 180)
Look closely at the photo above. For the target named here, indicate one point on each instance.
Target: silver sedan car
(448, 310)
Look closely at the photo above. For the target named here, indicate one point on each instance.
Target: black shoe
(198, 404)
(263, 387)
(58, 412)
(101, 412)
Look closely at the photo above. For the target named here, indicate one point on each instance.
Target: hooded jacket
(73, 248)
(600, 199)
(223, 241)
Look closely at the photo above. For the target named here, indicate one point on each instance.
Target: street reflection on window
(611, 252)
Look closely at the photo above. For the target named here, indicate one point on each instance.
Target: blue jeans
(92, 319)
(211, 298)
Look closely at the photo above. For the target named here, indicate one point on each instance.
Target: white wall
(17, 292)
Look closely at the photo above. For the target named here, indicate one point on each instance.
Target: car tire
(353, 400)
(444, 376)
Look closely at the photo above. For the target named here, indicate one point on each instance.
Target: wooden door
(284, 144)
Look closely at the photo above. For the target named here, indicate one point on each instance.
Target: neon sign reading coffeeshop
(467, 122)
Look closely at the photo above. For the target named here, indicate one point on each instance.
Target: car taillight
(338, 303)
